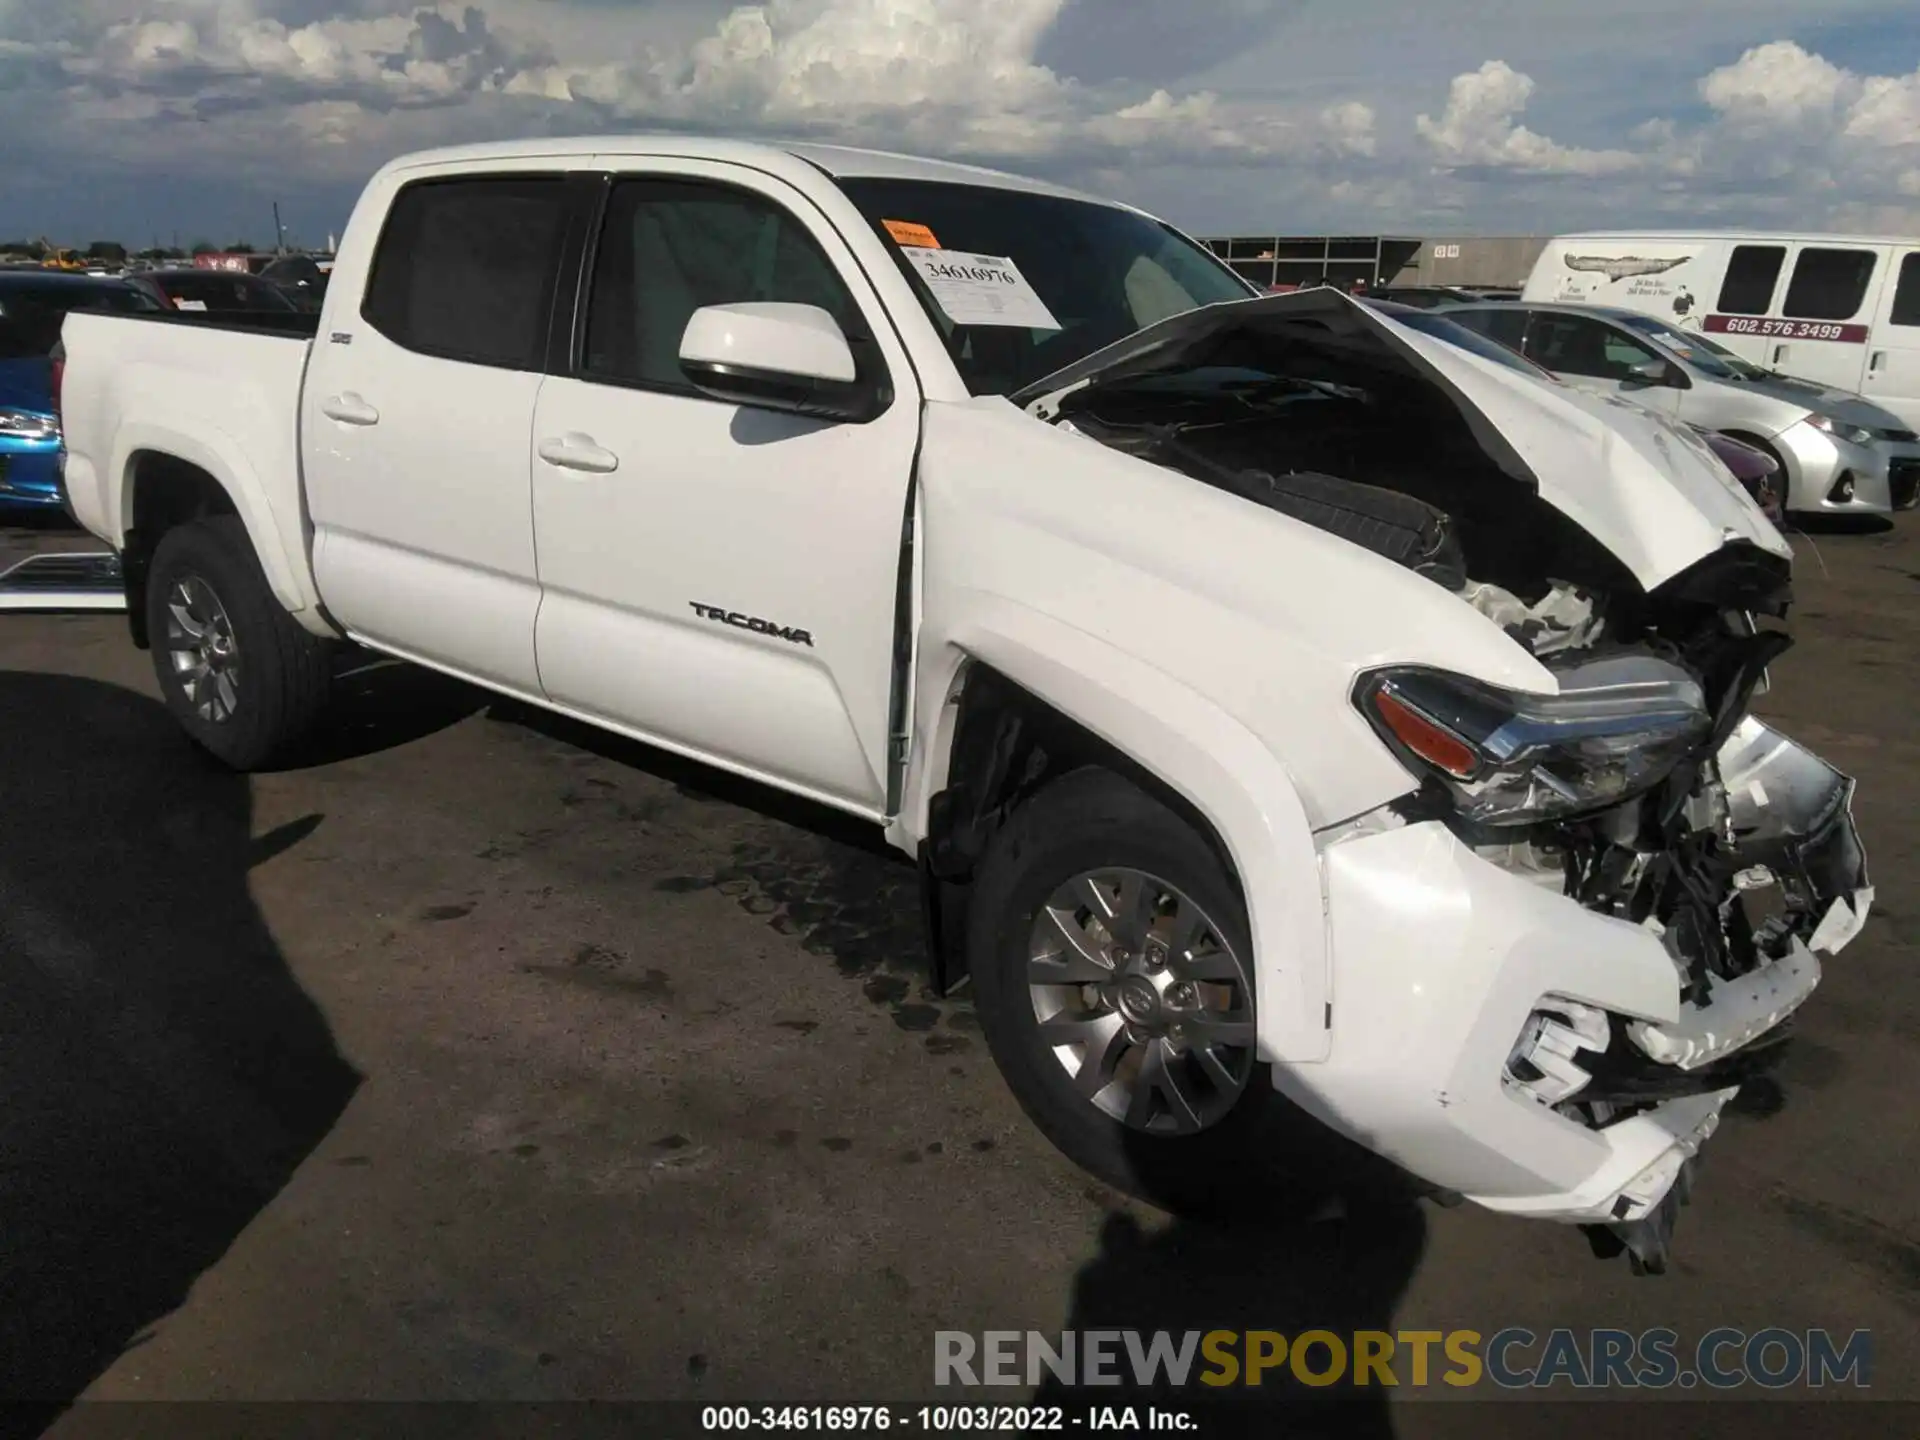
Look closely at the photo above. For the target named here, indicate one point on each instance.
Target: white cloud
(1779, 84)
(1267, 114)
(959, 76)
(1479, 127)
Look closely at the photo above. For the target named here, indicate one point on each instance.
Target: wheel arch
(1016, 711)
(168, 478)
(1789, 475)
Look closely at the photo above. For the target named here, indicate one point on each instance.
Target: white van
(1843, 310)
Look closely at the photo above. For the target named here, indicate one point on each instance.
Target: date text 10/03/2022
(943, 1419)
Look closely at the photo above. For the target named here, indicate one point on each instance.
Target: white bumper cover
(1440, 957)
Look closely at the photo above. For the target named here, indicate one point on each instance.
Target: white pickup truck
(1283, 705)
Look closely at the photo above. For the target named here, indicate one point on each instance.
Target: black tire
(283, 673)
(1087, 821)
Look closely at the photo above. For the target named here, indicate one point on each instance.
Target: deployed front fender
(1206, 756)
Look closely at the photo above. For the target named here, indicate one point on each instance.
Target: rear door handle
(574, 451)
(1876, 362)
(1779, 353)
(349, 409)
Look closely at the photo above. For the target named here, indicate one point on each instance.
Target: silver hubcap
(200, 644)
(1142, 1001)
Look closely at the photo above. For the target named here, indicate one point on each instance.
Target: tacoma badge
(723, 616)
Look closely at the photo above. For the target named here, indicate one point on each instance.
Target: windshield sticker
(905, 232)
(982, 290)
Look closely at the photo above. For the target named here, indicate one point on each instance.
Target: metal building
(1474, 260)
(1379, 259)
(1311, 260)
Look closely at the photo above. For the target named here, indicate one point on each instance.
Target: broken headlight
(1615, 729)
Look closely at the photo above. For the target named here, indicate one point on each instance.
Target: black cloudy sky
(137, 118)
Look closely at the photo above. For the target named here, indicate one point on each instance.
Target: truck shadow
(164, 1073)
(1325, 1237)
(380, 704)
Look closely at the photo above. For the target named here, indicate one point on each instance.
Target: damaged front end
(1747, 866)
(1562, 1078)
(1645, 791)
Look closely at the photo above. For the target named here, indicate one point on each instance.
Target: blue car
(33, 303)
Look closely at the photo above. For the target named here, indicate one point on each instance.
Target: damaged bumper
(1499, 1039)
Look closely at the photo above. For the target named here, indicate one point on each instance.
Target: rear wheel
(1113, 967)
(244, 681)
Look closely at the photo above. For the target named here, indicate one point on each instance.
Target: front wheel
(241, 677)
(1113, 968)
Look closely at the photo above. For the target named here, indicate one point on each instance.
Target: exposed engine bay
(1723, 838)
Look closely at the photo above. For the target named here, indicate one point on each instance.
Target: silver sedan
(1839, 453)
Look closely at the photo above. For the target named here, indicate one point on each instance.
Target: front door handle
(1779, 354)
(349, 409)
(1876, 362)
(574, 451)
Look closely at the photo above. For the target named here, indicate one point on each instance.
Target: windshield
(220, 290)
(1083, 275)
(1696, 350)
(1739, 364)
(1454, 333)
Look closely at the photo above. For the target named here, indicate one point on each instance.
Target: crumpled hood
(1648, 490)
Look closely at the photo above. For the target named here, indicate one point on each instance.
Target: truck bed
(219, 391)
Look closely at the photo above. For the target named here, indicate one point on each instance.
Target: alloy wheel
(202, 649)
(1142, 1001)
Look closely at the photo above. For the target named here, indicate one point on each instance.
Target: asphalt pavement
(486, 1058)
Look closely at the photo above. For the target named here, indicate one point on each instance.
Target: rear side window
(1752, 272)
(1829, 284)
(465, 269)
(1906, 298)
(1509, 327)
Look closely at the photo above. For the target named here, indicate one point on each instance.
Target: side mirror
(1659, 372)
(775, 356)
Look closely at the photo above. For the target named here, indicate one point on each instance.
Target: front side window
(1099, 272)
(466, 269)
(1829, 284)
(1752, 272)
(671, 247)
(1575, 345)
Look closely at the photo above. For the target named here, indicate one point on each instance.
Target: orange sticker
(905, 232)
